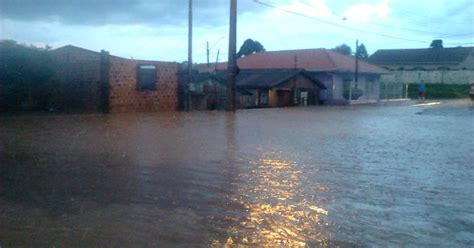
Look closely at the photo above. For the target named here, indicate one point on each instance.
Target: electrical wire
(358, 30)
(392, 26)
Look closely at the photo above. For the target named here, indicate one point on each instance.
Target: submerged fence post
(104, 81)
(406, 91)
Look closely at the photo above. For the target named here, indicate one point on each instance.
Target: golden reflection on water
(278, 210)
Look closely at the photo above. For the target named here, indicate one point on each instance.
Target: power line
(392, 26)
(460, 35)
(336, 24)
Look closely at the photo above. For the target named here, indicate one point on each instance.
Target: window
(146, 77)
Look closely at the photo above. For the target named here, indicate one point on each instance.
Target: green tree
(26, 76)
(250, 47)
(436, 44)
(362, 52)
(343, 49)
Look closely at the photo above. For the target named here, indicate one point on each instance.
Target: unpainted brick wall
(124, 96)
(78, 72)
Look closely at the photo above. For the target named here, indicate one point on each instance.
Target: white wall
(432, 76)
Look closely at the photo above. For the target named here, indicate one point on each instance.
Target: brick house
(334, 70)
(101, 82)
(78, 71)
(433, 65)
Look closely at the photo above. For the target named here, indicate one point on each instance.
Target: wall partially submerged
(101, 82)
(126, 97)
(465, 76)
(78, 72)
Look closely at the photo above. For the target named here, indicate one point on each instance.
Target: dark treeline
(27, 78)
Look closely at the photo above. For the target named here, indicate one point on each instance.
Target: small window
(146, 77)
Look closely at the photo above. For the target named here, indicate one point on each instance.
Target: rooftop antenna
(207, 51)
(217, 58)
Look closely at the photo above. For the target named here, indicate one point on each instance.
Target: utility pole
(296, 100)
(217, 58)
(356, 76)
(207, 51)
(232, 63)
(190, 53)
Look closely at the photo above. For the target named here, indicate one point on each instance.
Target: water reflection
(278, 210)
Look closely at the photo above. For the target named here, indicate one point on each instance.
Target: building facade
(94, 81)
(433, 65)
(334, 70)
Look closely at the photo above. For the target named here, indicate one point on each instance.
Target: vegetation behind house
(440, 91)
(27, 80)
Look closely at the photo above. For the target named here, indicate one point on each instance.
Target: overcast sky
(157, 29)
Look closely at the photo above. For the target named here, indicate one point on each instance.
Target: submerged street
(346, 176)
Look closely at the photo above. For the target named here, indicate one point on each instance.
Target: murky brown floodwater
(318, 176)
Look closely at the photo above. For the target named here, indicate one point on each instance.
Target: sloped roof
(219, 78)
(307, 59)
(425, 56)
(267, 78)
(84, 50)
(71, 47)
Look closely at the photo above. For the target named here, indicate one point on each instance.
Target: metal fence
(393, 91)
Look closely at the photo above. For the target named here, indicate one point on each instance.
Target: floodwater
(354, 176)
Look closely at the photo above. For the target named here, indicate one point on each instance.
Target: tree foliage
(250, 47)
(343, 49)
(26, 76)
(436, 44)
(362, 52)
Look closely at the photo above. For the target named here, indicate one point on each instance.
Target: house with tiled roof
(433, 65)
(256, 88)
(334, 70)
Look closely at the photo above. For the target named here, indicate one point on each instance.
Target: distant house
(93, 81)
(257, 89)
(335, 71)
(209, 92)
(433, 65)
(280, 87)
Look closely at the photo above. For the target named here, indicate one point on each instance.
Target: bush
(27, 77)
(440, 91)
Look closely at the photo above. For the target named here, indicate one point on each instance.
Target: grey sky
(153, 29)
(94, 12)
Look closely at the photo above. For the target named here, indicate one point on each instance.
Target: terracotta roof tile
(308, 59)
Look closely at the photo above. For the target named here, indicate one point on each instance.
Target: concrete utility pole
(190, 53)
(217, 59)
(356, 76)
(207, 51)
(232, 63)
